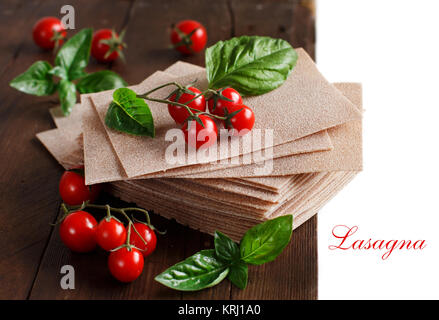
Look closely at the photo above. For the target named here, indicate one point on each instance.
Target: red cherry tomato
(185, 44)
(148, 235)
(197, 136)
(110, 234)
(125, 264)
(47, 31)
(180, 114)
(78, 231)
(217, 105)
(73, 190)
(100, 51)
(242, 122)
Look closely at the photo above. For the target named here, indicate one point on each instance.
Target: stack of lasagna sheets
(306, 145)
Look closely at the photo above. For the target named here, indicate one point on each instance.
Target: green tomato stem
(189, 109)
(109, 209)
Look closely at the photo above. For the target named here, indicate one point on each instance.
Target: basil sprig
(36, 80)
(70, 63)
(129, 114)
(251, 65)
(74, 55)
(264, 242)
(67, 95)
(100, 81)
(202, 270)
(260, 244)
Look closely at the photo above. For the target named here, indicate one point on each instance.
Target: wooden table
(31, 253)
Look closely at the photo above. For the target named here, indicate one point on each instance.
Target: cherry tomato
(185, 44)
(217, 105)
(125, 264)
(78, 231)
(147, 234)
(73, 190)
(241, 123)
(110, 234)
(197, 136)
(106, 45)
(180, 114)
(48, 31)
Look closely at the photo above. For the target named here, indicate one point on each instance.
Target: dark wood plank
(29, 176)
(292, 20)
(146, 54)
(292, 276)
(149, 29)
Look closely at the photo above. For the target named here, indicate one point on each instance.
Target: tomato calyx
(127, 243)
(194, 117)
(109, 216)
(229, 116)
(115, 43)
(185, 39)
(57, 38)
(217, 95)
(129, 247)
(180, 90)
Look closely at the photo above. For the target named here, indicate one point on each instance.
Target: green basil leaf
(250, 64)
(226, 248)
(74, 54)
(202, 270)
(100, 81)
(265, 241)
(130, 114)
(238, 274)
(67, 96)
(36, 80)
(59, 72)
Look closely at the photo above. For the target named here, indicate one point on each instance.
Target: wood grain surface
(31, 253)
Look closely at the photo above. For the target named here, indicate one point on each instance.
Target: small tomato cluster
(80, 232)
(199, 128)
(49, 33)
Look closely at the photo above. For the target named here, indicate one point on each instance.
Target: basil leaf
(100, 81)
(238, 274)
(202, 270)
(226, 248)
(265, 241)
(74, 54)
(36, 80)
(67, 96)
(252, 65)
(59, 72)
(129, 114)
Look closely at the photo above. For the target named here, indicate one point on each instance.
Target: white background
(392, 47)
